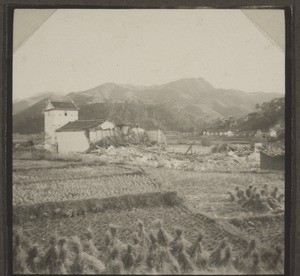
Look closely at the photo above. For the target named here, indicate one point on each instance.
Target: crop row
(28, 164)
(75, 189)
(36, 175)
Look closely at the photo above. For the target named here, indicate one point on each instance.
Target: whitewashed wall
(55, 119)
(72, 141)
(97, 135)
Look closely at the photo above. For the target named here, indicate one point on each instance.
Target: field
(206, 192)
(67, 197)
(103, 181)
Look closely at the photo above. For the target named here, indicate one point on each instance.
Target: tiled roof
(80, 125)
(119, 124)
(64, 105)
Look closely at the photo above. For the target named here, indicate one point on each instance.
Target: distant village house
(229, 133)
(261, 134)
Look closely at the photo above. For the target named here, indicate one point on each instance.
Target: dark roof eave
(80, 125)
(67, 108)
(123, 124)
(70, 130)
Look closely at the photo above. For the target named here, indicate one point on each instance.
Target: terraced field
(76, 183)
(68, 172)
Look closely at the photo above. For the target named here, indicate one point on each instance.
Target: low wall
(64, 209)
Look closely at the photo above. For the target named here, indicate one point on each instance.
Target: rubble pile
(243, 150)
(229, 162)
(219, 148)
(273, 150)
(153, 156)
(239, 150)
(121, 141)
(158, 156)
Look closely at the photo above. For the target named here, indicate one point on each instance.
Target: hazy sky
(76, 50)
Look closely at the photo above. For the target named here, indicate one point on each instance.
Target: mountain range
(190, 102)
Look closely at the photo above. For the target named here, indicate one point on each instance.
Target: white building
(78, 136)
(229, 133)
(56, 115)
(273, 133)
(261, 134)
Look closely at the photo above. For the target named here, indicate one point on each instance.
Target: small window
(66, 114)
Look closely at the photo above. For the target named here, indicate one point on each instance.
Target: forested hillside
(182, 105)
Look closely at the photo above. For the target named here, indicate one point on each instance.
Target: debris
(236, 149)
(156, 156)
(190, 148)
(274, 150)
(117, 141)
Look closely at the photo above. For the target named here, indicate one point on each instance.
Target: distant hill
(181, 104)
(22, 104)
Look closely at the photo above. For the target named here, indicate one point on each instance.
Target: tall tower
(56, 115)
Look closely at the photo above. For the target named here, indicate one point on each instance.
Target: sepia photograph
(148, 141)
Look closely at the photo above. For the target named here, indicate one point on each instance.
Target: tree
(267, 116)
